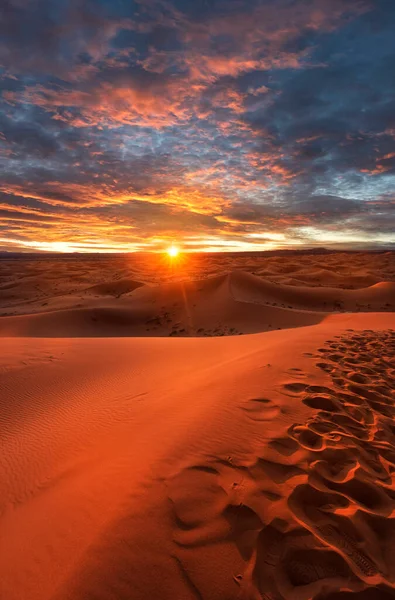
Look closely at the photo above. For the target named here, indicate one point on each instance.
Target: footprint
(295, 387)
(321, 402)
(318, 389)
(269, 550)
(315, 509)
(243, 521)
(277, 472)
(323, 427)
(351, 399)
(285, 445)
(325, 366)
(368, 496)
(336, 472)
(351, 426)
(196, 497)
(350, 444)
(348, 546)
(357, 377)
(306, 437)
(303, 567)
(261, 409)
(369, 459)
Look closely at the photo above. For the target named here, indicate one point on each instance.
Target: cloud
(238, 120)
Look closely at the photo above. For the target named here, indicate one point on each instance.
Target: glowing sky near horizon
(218, 125)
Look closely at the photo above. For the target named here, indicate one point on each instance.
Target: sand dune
(39, 281)
(213, 466)
(206, 307)
(235, 303)
(330, 278)
(249, 288)
(270, 475)
(115, 288)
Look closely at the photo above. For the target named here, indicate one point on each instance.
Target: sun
(173, 251)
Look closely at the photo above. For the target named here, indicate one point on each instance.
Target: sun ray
(173, 251)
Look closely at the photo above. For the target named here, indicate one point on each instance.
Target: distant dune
(238, 302)
(213, 466)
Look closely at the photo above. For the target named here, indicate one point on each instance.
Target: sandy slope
(216, 466)
(257, 466)
(37, 281)
(238, 302)
(208, 307)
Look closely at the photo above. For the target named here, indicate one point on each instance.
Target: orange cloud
(110, 105)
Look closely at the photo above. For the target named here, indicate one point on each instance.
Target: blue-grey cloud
(190, 118)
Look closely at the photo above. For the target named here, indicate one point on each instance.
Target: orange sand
(241, 466)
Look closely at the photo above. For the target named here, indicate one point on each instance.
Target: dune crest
(246, 287)
(116, 288)
(269, 476)
(206, 307)
(238, 302)
(216, 465)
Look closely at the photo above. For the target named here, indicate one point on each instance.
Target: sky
(214, 124)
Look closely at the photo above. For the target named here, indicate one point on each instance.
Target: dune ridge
(216, 465)
(238, 302)
(249, 288)
(269, 476)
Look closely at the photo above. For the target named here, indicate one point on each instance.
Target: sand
(202, 295)
(214, 465)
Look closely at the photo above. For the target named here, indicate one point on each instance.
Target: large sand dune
(233, 467)
(237, 302)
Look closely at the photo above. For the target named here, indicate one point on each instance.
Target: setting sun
(173, 251)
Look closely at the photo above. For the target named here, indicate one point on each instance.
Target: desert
(213, 426)
(197, 300)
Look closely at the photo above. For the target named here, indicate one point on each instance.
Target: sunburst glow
(173, 251)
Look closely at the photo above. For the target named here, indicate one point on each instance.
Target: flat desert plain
(211, 427)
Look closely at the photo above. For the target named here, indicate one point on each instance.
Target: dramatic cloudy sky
(222, 124)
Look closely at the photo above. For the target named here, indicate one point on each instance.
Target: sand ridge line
(212, 296)
(189, 493)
